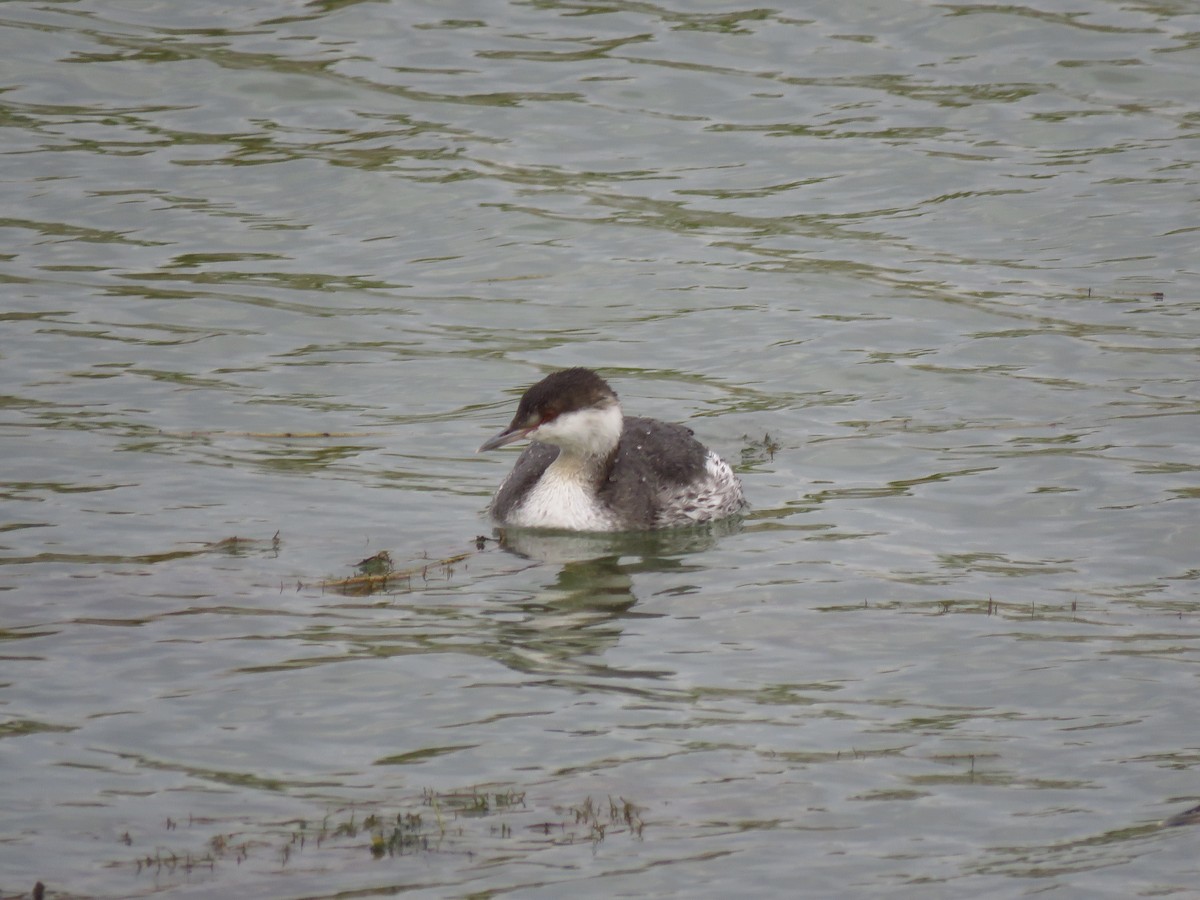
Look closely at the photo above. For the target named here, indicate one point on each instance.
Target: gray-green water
(944, 255)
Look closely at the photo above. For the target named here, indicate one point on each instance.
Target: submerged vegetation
(475, 822)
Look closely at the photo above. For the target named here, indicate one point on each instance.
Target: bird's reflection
(570, 623)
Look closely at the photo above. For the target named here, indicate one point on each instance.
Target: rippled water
(927, 273)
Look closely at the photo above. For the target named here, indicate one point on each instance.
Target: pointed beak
(507, 436)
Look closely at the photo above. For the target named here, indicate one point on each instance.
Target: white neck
(588, 435)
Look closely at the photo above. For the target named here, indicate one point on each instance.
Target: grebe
(590, 468)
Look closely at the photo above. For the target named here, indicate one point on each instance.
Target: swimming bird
(591, 468)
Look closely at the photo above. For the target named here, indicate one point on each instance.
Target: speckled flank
(714, 497)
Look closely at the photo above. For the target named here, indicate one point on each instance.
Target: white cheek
(586, 432)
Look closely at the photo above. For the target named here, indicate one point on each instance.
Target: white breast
(562, 498)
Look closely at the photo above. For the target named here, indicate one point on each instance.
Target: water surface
(925, 273)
